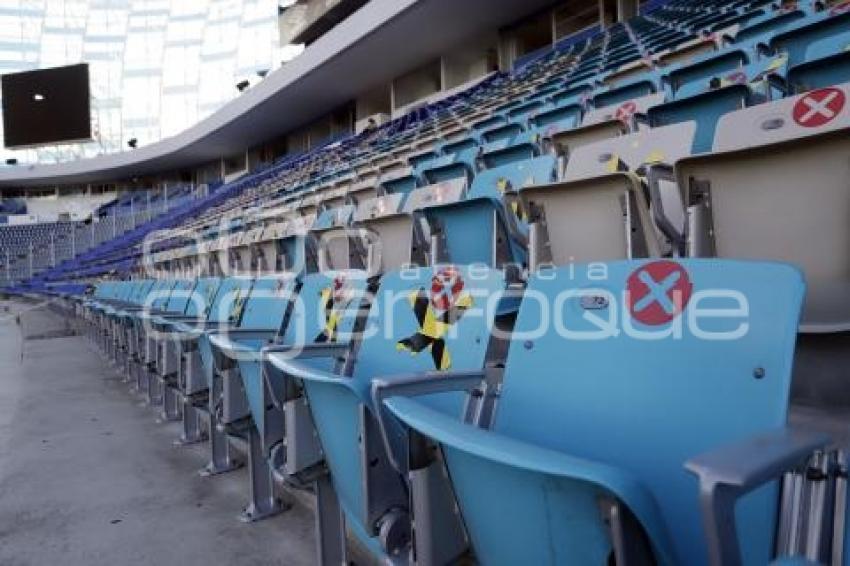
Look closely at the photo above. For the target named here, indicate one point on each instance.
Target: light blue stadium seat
(401, 184)
(757, 33)
(322, 312)
(827, 63)
(503, 133)
(703, 69)
(705, 109)
(624, 92)
(236, 379)
(709, 98)
(156, 301)
(417, 322)
(484, 227)
(519, 114)
(522, 146)
(596, 416)
(225, 312)
(558, 119)
(157, 361)
(795, 40)
(491, 122)
(458, 161)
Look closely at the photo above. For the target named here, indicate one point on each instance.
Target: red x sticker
(738, 78)
(819, 107)
(658, 292)
(625, 111)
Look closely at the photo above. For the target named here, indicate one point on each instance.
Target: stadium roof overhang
(382, 40)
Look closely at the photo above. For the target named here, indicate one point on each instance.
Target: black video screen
(46, 106)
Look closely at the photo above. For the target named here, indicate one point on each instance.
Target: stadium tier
(559, 317)
(27, 251)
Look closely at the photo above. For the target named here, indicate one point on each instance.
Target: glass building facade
(156, 66)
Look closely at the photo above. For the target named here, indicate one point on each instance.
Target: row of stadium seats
(367, 373)
(509, 125)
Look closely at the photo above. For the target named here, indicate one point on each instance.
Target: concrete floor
(88, 477)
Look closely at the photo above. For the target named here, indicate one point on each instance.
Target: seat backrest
(705, 69)
(761, 29)
(624, 110)
(827, 63)
(330, 229)
(521, 147)
(140, 292)
(623, 93)
(797, 36)
(284, 245)
(387, 232)
(560, 118)
(495, 181)
(229, 301)
(160, 293)
(125, 289)
(705, 109)
(777, 188)
(597, 218)
(573, 95)
(181, 296)
(520, 113)
(489, 122)
(685, 51)
(666, 144)
(104, 290)
(423, 319)
(645, 404)
(268, 302)
(504, 133)
(326, 307)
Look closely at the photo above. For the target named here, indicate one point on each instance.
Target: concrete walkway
(88, 477)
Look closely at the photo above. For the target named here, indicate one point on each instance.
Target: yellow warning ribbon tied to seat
(436, 311)
(778, 62)
(238, 306)
(333, 300)
(655, 156)
(613, 164)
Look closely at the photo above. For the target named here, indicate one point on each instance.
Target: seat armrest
(228, 342)
(217, 327)
(729, 472)
(413, 385)
(521, 455)
(307, 351)
(249, 333)
(179, 318)
(289, 366)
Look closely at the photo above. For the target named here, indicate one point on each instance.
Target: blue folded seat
(420, 320)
